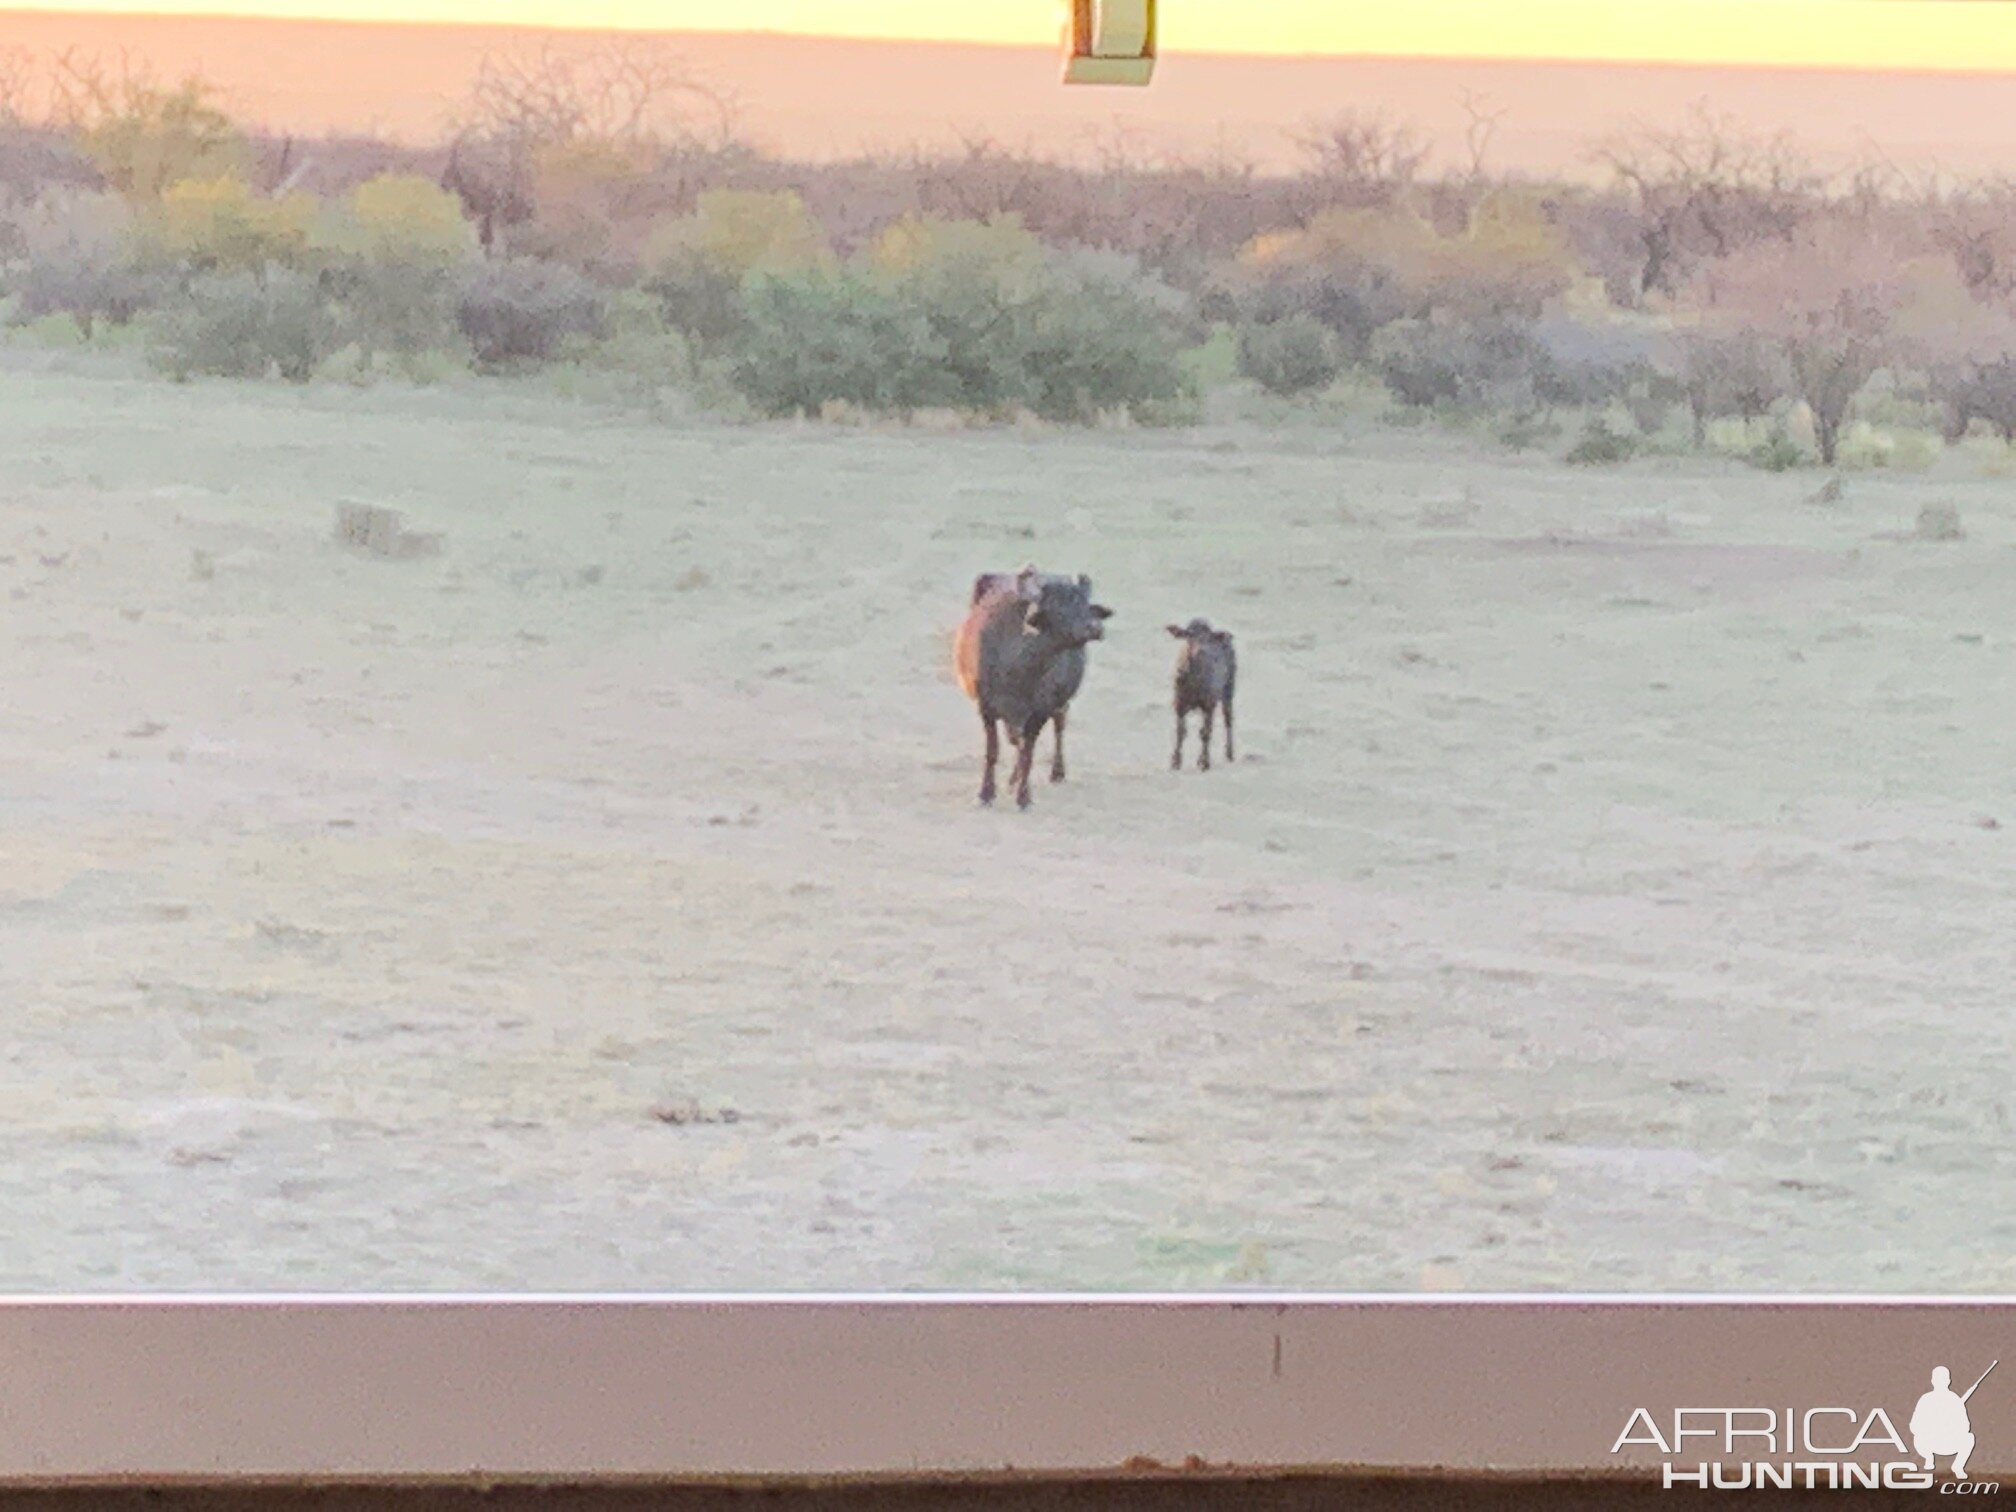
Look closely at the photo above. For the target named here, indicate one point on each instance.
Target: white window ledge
(317, 1388)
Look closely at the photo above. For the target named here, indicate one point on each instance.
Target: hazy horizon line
(1168, 59)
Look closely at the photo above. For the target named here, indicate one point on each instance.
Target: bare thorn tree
(627, 93)
(1480, 127)
(1361, 158)
(1976, 226)
(1875, 184)
(632, 97)
(17, 74)
(1706, 189)
(1121, 151)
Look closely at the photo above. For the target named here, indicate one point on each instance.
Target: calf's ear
(1102, 611)
(1175, 630)
(1036, 619)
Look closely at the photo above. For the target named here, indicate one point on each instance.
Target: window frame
(312, 1389)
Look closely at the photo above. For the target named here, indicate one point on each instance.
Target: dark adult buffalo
(1021, 657)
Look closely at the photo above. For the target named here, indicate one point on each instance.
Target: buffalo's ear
(1175, 630)
(1101, 611)
(1037, 620)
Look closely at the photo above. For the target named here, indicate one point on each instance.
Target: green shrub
(398, 251)
(1723, 374)
(696, 266)
(1291, 355)
(1778, 452)
(86, 288)
(520, 310)
(1102, 340)
(1527, 428)
(246, 325)
(980, 290)
(424, 368)
(400, 309)
(1601, 446)
(1486, 365)
(972, 317)
(1300, 274)
(844, 335)
(1983, 390)
(636, 338)
(1589, 363)
(1915, 451)
(1213, 362)
(698, 297)
(637, 359)
(75, 258)
(1650, 399)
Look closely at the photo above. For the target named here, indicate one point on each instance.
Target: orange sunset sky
(1893, 34)
(1930, 84)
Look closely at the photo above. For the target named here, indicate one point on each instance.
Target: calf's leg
(1182, 719)
(1204, 743)
(1228, 731)
(1057, 746)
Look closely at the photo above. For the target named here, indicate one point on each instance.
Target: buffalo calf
(1206, 672)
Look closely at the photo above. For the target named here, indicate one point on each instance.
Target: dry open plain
(1619, 890)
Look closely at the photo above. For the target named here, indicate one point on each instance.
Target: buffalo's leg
(1025, 758)
(1057, 746)
(987, 722)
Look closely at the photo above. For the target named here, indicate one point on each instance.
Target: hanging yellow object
(1109, 42)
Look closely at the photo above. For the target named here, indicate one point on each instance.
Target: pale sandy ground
(1611, 897)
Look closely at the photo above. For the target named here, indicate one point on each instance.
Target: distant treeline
(599, 210)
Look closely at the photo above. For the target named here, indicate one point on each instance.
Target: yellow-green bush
(221, 225)
(695, 266)
(1357, 271)
(742, 231)
(401, 218)
(1000, 252)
